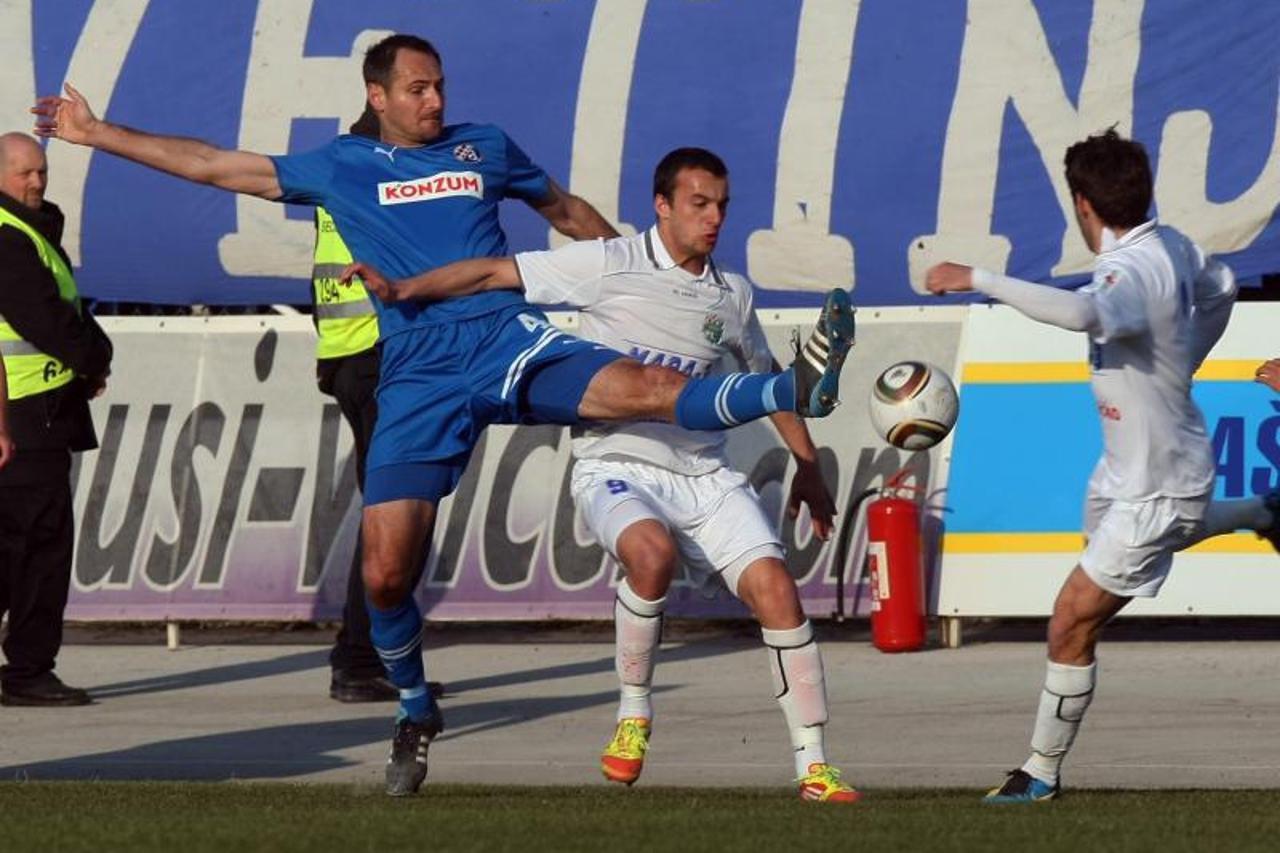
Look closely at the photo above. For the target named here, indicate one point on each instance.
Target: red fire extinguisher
(895, 570)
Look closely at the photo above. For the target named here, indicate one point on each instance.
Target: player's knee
(650, 570)
(1070, 640)
(650, 556)
(769, 591)
(385, 581)
(651, 566)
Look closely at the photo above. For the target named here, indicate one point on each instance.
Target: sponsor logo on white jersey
(439, 185)
(686, 364)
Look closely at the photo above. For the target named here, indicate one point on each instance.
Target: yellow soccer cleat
(823, 785)
(623, 758)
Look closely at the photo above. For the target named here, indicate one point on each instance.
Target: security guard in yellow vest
(347, 369)
(345, 319)
(56, 357)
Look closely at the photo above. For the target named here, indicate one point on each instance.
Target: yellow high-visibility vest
(345, 318)
(31, 371)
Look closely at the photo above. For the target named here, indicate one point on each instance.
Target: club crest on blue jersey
(466, 153)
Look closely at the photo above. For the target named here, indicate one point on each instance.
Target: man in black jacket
(56, 358)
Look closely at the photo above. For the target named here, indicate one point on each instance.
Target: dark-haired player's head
(1110, 181)
(690, 197)
(404, 81)
(664, 174)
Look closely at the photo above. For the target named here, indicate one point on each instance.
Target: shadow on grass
(283, 752)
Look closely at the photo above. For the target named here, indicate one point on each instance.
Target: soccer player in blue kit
(422, 196)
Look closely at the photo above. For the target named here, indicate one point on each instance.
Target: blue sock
(720, 402)
(397, 637)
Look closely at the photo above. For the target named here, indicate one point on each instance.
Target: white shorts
(715, 519)
(1131, 545)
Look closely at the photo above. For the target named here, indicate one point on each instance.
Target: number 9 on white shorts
(715, 519)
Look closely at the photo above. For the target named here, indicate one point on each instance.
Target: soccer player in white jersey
(1154, 309)
(654, 493)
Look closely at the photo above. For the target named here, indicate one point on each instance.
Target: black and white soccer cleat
(407, 763)
(818, 363)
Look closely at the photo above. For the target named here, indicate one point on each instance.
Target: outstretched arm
(69, 118)
(572, 216)
(1066, 309)
(459, 278)
(1215, 294)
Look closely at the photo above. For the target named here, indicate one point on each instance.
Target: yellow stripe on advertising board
(1072, 543)
(997, 372)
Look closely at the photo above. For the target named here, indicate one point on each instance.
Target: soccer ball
(914, 405)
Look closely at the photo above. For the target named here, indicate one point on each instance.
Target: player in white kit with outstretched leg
(1154, 309)
(655, 493)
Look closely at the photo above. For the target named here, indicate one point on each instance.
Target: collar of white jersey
(1110, 242)
(662, 260)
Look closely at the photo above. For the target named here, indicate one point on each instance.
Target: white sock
(1068, 690)
(637, 625)
(1227, 516)
(801, 689)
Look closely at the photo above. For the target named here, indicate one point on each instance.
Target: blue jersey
(409, 210)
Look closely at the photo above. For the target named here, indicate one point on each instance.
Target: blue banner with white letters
(866, 139)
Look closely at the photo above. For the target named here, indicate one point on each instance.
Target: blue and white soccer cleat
(1021, 787)
(818, 363)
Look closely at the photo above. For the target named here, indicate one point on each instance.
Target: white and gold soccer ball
(914, 405)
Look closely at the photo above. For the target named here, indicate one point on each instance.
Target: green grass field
(187, 817)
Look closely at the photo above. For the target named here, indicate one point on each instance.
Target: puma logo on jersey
(441, 185)
(391, 153)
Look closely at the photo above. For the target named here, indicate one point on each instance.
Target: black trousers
(37, 534)
(352, 381)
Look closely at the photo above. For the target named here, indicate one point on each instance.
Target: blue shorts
(441, 385)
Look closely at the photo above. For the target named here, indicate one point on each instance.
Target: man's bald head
(24, 173)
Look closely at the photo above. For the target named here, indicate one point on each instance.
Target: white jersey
(632, 297)
(1149, 288)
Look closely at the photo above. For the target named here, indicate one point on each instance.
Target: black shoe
(357, 688)
(364, 688)
(407, 763)
(1272, 532)
(818, 363)
(47, 692)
